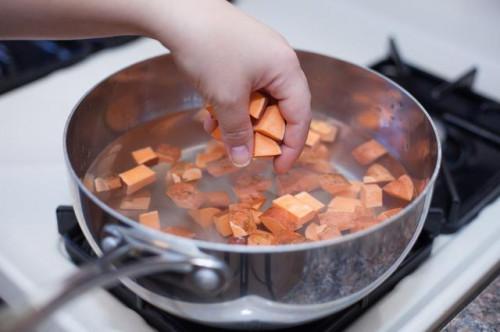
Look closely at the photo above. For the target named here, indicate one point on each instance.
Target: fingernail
(240, 156)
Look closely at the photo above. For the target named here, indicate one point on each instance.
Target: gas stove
(469, 179)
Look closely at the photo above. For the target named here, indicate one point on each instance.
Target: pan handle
(127, 252)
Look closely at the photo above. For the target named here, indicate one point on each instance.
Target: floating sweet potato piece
(341, 220)
(138, 201)
(326, 131)
(222, 225)
(258, 104)
(302, 212)
(401, 188)
(175, 178)
(310, 200)
(107, 184)
(297, 180)
(352, 191)
(179, 231)
(264, 146)
(368, 152)
(289, 237)
(204, 217)
(344, 204)
(312, 231)
(271, 124)
(145, 156)
(185, 195)
(364, 223)
(191, 174)
(137, 178)
(278, 220)
(241, 220)
(377, 173)
(150, 219)
(217, 133)
(329, 232)
(168, 154)
(334, 183)
(217, 199)
(371, 195)
(313, 138)
(221, 167)
(174, 174)
(388, 213)
(261, 238)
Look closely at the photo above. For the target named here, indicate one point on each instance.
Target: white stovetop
(446, 37)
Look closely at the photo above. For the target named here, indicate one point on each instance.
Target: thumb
(236, 128)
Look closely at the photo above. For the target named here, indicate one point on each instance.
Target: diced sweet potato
(364, 223)
(217, 199)
(249, 183)
(221, 167)
(313, 138)
(334, 183)
(168, 154)
(271, 124)
(217, 133)
(256, 216)
(254, 199)
(388, 213)
(203, 158)
(326, 131)
(145, 156)
(401, 188)
(138, 201)
(329, 232)
(265, 146)
(371, 195)
(107, 183)
(368, 152)
(174, 174)
(313, 230)
(175, 178)
(179, 231)
(137, 178)
(344, 204)
(185, 195)
(297, 180)
(289, 237)
(191, 174)
(352, 191)
(310, 200)
(261, 238)
(258, 103)
(377, 173)
(279, 221)
(302, 212)
(150, 219)
(241, 220)
(341, 220)
(222, 225)
(204, 217)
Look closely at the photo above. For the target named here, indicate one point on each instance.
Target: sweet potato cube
(203, 158)
(302, 212)
(313, 230)
(175, 178)
(388, 213)
(313, 138)
(179, 231)
(222, 225)
(289, 237)
(334, 183)
(256, 216)
(191, 174)
(271, 124)
(364, 223)
(217, 199)
(221, 167)
(265, 146)
(310, 200)
(204, 217)
(278, 220)
(168, 154)
(377, 173)
(368, 152)
(401, 188)
(258, 103)
(341, 220)
(326, 131)
(344, 204)
(185, 195)
(138, 201)
(217, 133)
(137, 178)
(241, 220)
(250, 182)
(353, 190)
(297, 180)
(145, 156)
(254, 199)
(261, 238)
(329, 232)
(371, 195)
(107, 184)
(150, 219)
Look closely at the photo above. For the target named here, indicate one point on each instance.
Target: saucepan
(231, 285)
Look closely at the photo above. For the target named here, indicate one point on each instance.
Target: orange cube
(145, 156)
(168, 154)
(377, 173)
(256, 216)
(302, 212)
(352, 191)
(241, 220)
(107, 184)
(334, 183)
(222, 225)
(137, 178)
(368, 152)
(191, 174)
(217, 199)
(221, 167)
(279, 221)
(150, 219)
(401, 188)
(289, 237)
(297, 180)
(138, 201)
(329, 232)
(271, 124)
(344, 204)
(203, 158)
(185, 195)
(204, 217)
(313, 230)
(261, 238)
(341, 220)
(179, 231)
(326, 131)
(371, 195)
(388, 213)
(265, 147)
(313, 138)
(258, 103)
(255, 199)
(310, 200)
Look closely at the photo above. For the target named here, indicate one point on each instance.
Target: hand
(228, 55)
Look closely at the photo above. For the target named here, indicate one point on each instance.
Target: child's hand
(229, 54)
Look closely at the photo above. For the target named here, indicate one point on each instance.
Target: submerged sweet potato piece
(179, 231)
(388, 213)
(253, 199)
(344, 204)
(302, 212)
(265, 146)
(150, 219)
(341, 220)
(213, 151)
(167, 153)
(256, 216)
(326, 131)
(377, 173)
(137, 178)
(222, 225)
(371, 195)
(297, 180)
(310, 200)
(258, 103)
(248, 183)
(401, 188)
(217, 199)
(278, 220)
(271, 124)
(145, 156)
(364, 223)
(174, 174)
(241, 220)
(107, 183)
(204, 217)
(334, 183)
(221, 167)
(138, 201)
(191, 174)
(261, 238)
(329, 232)
(313, 230)
(313, 138)
(368, 152)
(352, 191)
(289, 237)
(185, 195)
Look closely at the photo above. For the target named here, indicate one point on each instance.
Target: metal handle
(150, 255)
